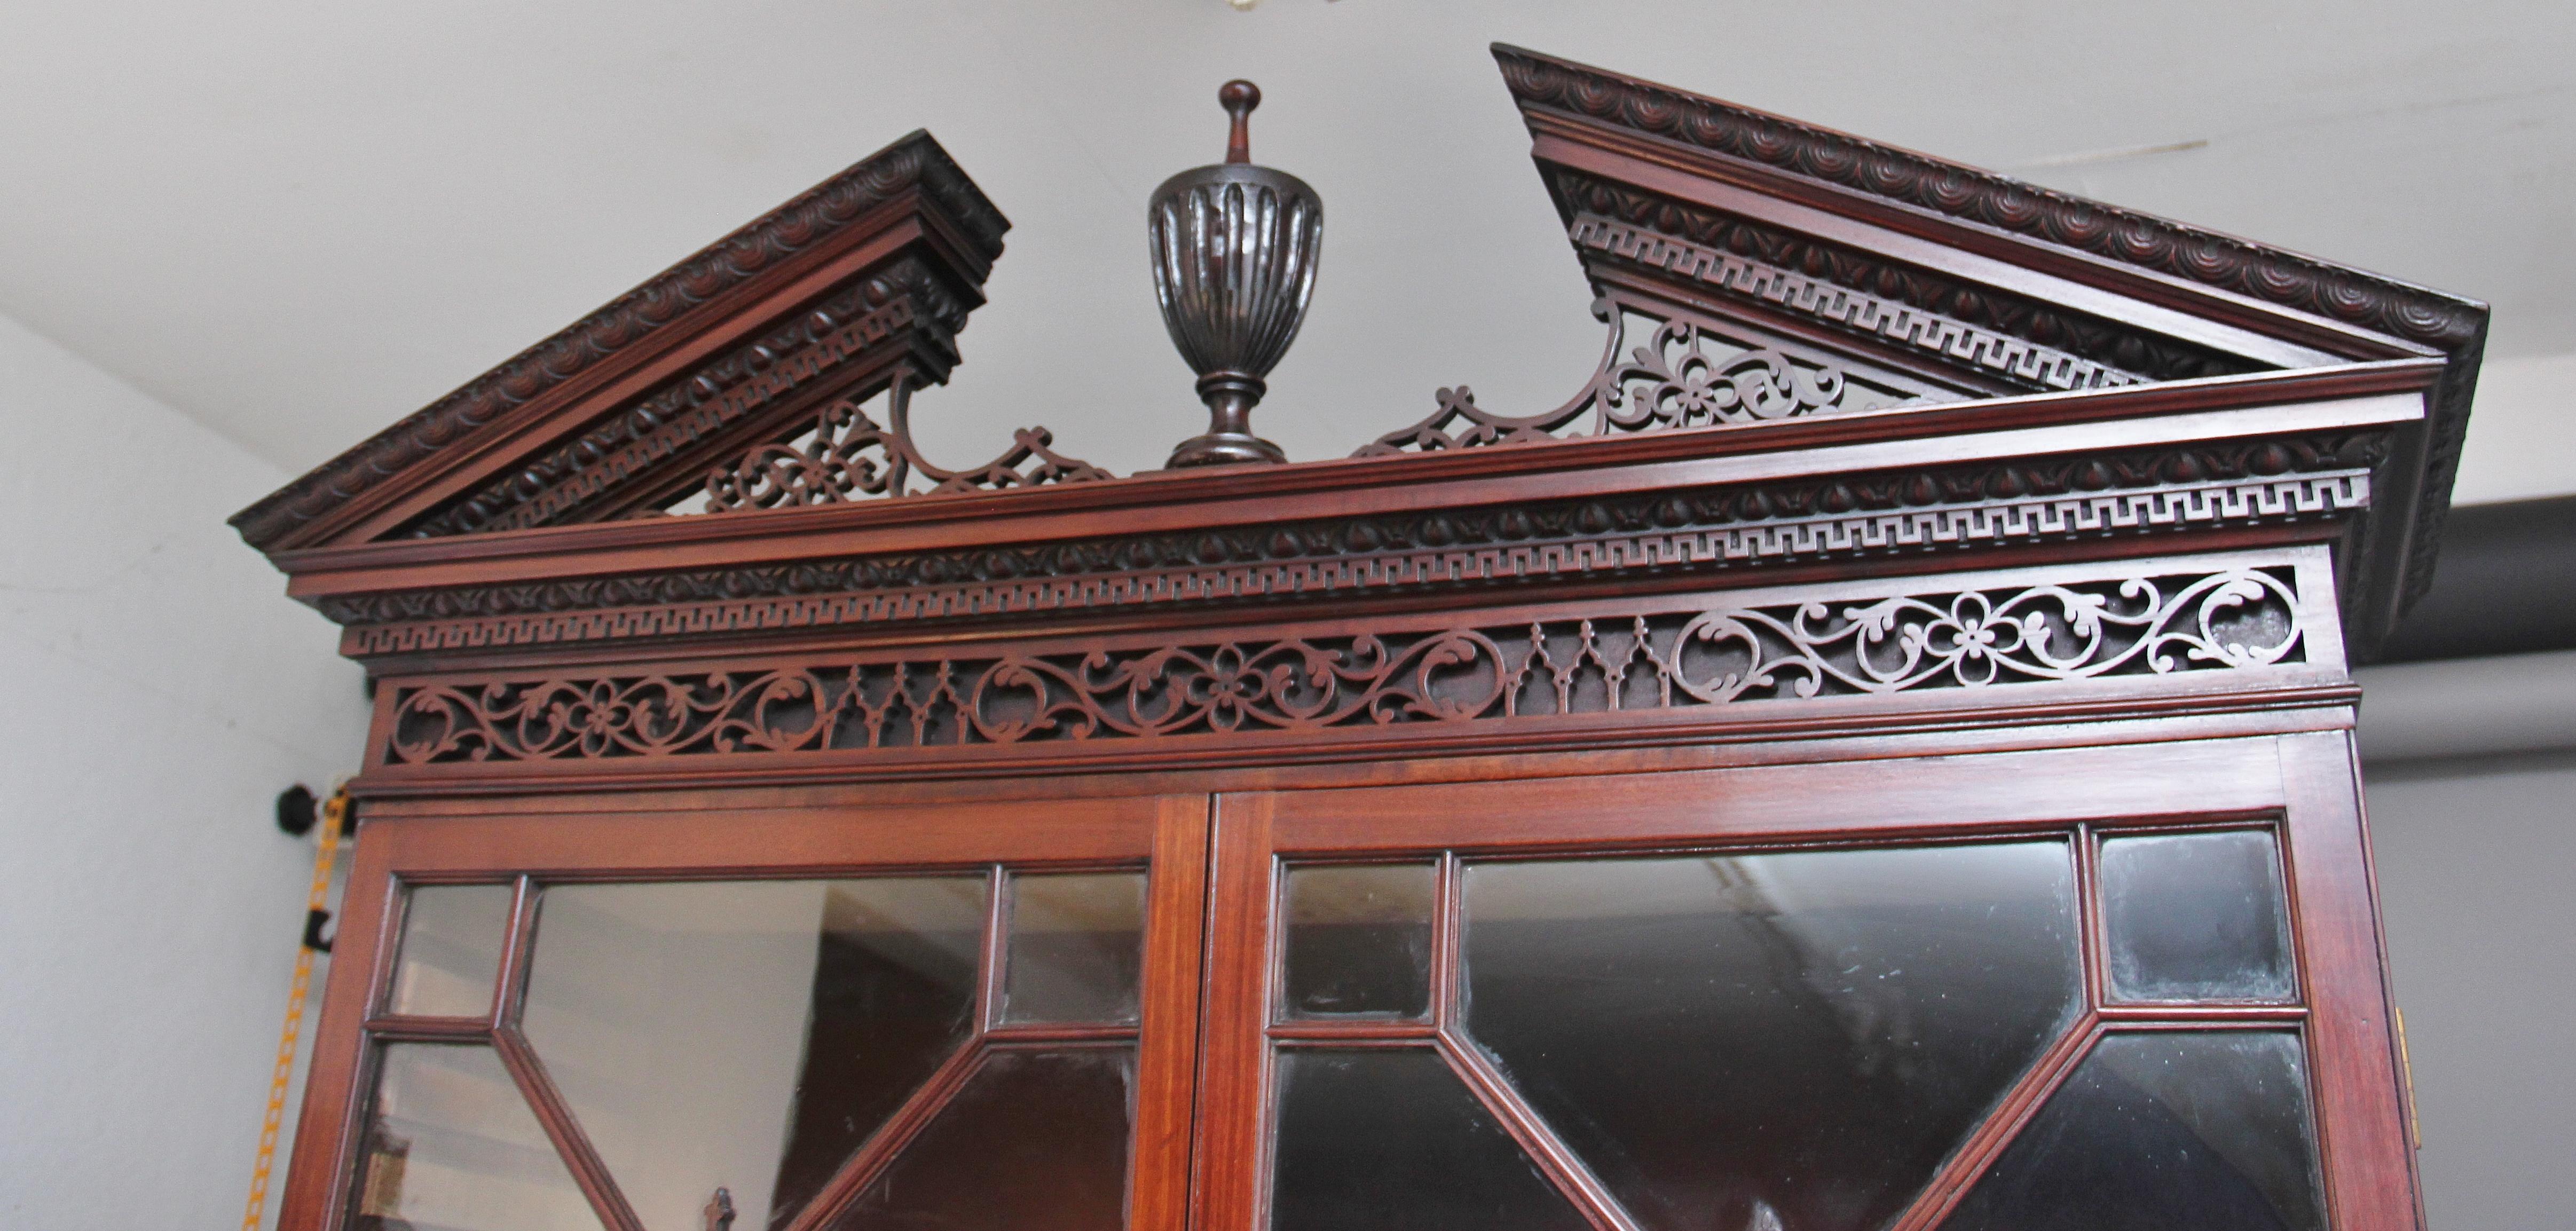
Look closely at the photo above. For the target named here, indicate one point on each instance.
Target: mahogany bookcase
(1878, 757)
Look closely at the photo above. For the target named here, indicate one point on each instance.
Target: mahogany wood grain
(1882, 798)
(2379, 393)
(556, 1116)
(657, 359)
(1230, 1169)
(327, 1125)
(1176, 928)
(2243, 716)
(702, 841)
(2352, 1045)
(899, 1130)
(2139, 788)
(1554, 1159)
(2303, 498)
(2106, 290)
(2002, 1123)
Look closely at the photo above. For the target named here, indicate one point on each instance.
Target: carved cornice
(905, 296)
(2451, 324)
(914, 163)
(1997, 201)
(2029, 629)
(2024, 342)
(2231, 483)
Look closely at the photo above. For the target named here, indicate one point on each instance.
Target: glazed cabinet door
(2113, 988)
(790, 1020)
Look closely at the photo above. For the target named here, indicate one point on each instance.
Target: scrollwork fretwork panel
(2020, 628)
(1660, 369)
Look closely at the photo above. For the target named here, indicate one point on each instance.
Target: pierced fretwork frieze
(2003, 631)
(848, 456)
(1683, 371)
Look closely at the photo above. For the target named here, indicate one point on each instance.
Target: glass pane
(1391, 1140)
(1359, 941)
(1036, 1141)
(1789, 1040)
(450, 1146)
(451, 950)
(1077, 947)
(747, 1034)
(2196, 916)
(2205, 1130)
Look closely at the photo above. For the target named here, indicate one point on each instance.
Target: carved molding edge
(1984, 197)
(2001, 631)
(914, 162)
(2455, 325)
(1989, 350)
(1710, 530)
(691, 408)
(2122, 348)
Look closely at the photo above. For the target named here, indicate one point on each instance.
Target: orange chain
(334, 811)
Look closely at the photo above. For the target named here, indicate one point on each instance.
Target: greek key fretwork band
(2244, 483)
(2015, 629)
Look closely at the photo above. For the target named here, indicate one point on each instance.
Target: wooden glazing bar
(2010, 1114)
(1555, 1160)
(556, 1117)
(1167, 1060)
(899, 1130)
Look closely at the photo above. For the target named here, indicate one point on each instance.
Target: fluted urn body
(1235, 248)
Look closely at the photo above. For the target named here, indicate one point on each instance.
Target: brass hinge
(2406, 1074)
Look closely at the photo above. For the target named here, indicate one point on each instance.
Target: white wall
(160, 690)
(2474, 859)
(2470, 767)
(2519, 447)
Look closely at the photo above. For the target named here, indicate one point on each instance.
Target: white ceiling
(297, 222)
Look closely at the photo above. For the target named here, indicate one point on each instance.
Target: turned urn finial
(1234, 264)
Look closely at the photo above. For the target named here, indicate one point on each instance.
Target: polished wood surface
(1932, 506)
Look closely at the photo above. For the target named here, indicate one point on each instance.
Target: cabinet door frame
(2306, 786)
(1165, 834)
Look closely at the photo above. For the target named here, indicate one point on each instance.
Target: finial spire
(1239, 97)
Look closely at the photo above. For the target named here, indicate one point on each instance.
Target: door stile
(1234, 1062)
(1176, 929)
(326, 1128)
(2370, 1181)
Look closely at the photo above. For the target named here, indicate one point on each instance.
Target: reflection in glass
(747, 1034)
(1359, 940)
(2196, 916)
(451, 1146)
(1773, 1040)
(2155, 1131)
(451, 950)
(1035, 1141)
(1392, 1140)
(1077, 947)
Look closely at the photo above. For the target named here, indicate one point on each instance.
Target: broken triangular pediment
(1749, 269)
(779, 331)
(1752, 268)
